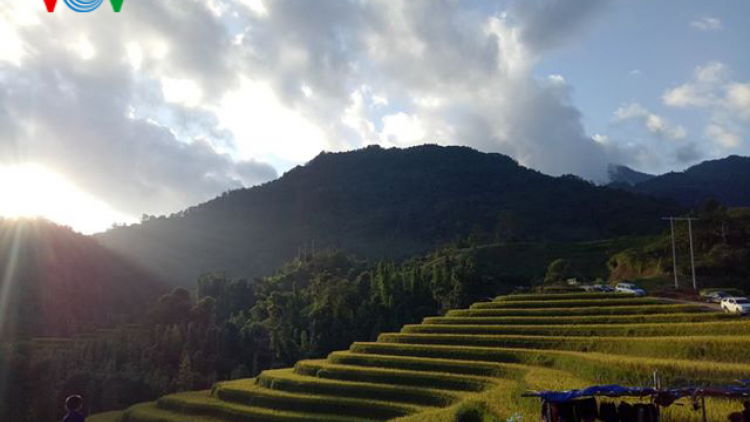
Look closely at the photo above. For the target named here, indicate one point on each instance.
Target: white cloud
(727, 102)
(707, 24)
(686, 96)
(602, 139)
(701, 91)
(723, 135)
(263, 126)
(711, 73)
(557, 79)
(402, 129)
(181, 91)
(654, 123)
(738, 99)
(257, 6)
(12, 48)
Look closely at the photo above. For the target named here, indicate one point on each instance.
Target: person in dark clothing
(625, 412)
(73, 405)
(586, 410)
(608, 412)
(735, 417)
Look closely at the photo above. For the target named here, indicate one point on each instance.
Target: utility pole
(692, 254)
(674, 249)
(674, 253)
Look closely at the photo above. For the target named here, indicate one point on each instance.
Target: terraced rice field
(486, 357)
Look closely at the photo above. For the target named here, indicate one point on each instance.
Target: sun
(33, 190)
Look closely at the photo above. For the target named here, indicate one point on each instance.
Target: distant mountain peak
(619, 174)
(724, 180)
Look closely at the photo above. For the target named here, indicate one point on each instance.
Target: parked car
(630, 288)
(736, 305)
(717, 297)
(604, 288)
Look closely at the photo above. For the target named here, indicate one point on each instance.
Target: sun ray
(8, 282)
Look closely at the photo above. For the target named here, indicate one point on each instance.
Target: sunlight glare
(31, 190)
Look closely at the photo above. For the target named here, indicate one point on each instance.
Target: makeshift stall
(582, 405)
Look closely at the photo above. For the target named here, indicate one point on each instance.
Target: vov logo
(84, 6)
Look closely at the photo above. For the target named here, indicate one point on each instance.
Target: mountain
(624, 175)
(726, 180)
(55, 282)
(381, 203)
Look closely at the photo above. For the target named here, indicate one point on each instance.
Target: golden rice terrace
(491, 353)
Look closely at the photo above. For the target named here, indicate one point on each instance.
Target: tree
(185, 377)
(558, 270)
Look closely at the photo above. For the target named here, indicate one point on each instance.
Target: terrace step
(700, 316)
(727, 328)
(150, 412)
(573, 303)
(632, 369)
(560, 296)
(710, 348)
(200, 406)
(249, 393)
(289, 381)
(443, 381)
(452, 366)
(580, 311)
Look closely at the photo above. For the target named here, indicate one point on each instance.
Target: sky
(105, 117)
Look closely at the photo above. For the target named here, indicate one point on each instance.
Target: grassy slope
(465, 363)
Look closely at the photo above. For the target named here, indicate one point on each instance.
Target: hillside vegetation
(722, 249)
(470, 363)
(377, 203)
(56, 282)
(710, 180)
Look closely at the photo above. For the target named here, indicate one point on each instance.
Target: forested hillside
(379, 203)
(726, 180)
(56, 282)
(722, 250)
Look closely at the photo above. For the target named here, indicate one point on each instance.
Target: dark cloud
(688, 154)
(549, 135)
(546, 24)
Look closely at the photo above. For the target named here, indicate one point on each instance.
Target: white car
(736, 305)
(630, 288)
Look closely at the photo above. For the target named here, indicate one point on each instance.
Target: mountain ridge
(720, 180)
(381, 203)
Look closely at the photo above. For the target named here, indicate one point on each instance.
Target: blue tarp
(614, 390)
